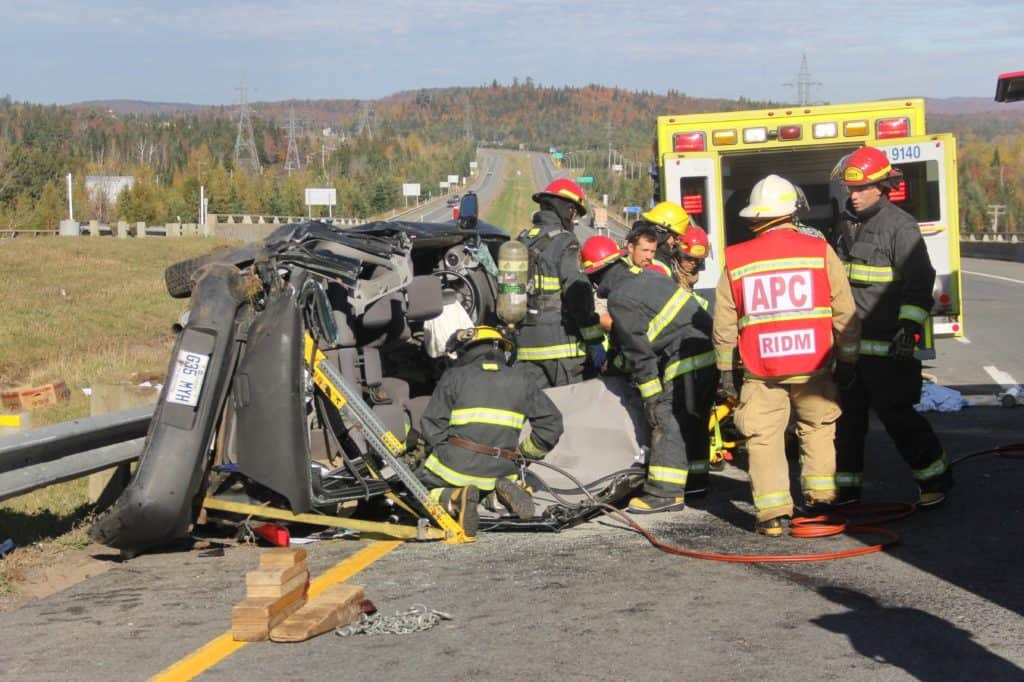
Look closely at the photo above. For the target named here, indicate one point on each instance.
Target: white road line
(985, 274)
(1000, 377)
(962, 339)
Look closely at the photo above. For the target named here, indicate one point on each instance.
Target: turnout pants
(763, 415)
(891, 387)
(680, 442)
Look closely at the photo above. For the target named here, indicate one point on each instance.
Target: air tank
(513, 274)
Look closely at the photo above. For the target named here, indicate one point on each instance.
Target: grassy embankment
(514, 206)
(88, 312)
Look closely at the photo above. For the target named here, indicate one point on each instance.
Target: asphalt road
(599, 603)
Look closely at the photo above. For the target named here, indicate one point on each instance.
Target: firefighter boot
(461, 504)
(515, 499)
(770, 527)
(653, 504)
(933, 492)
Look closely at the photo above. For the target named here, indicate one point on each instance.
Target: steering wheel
(464, 289)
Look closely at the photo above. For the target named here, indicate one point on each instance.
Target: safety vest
(783, 303)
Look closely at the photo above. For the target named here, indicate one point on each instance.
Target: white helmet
(774, 197)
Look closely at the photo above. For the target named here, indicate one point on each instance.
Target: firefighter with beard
(560, 334)
(665, 335)
(781, 307)
(892, 277)
(472, 426)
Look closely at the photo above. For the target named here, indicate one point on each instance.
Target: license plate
(187, 382)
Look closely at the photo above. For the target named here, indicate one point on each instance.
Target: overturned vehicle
(297, 380)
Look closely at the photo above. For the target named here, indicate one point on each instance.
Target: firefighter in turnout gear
(892, 278)
(671, 222)
(694, 247)
(561, 330)
(665, 335)
(472, 427)
(602, 254)
(783, 308)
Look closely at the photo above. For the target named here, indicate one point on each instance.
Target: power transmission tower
(803, 83)
(246, 155)
(467, 117)
(291, 162)
(367, 118)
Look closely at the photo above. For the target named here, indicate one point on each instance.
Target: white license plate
(187, 382)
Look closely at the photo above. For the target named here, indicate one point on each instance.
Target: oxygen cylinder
(513, 275)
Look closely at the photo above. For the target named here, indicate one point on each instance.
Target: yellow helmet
(463, 339)
(668, 215)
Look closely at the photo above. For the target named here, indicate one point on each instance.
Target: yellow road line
(216, 650)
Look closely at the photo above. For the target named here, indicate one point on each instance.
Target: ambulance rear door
(929, 193)
(692, 180)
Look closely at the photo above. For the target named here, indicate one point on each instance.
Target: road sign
(585, 180)
(631, 209)
(552, 150)
(410, 189)
(558, 155)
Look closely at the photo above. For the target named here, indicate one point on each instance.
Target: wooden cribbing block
(337, 606)
(272, 576)
(284, 557)
(253, 618)
(258, 591)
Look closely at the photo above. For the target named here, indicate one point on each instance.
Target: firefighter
(600, 251)
(694, 246)
(782, 305)
(472, 426)
(665, 335)
(892, 278)
(670, 222)
(561, 330)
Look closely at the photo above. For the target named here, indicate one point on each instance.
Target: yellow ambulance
(708, 163)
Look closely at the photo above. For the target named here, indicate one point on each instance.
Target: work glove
(727, 384)
(845, 375)
(904, 343)
(650, 411)
(598, 356)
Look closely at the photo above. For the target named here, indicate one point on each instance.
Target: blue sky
(58, 51)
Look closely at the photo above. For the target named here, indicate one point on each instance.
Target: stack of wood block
(272, 593)
(275, 604)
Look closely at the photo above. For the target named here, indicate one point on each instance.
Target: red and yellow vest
(783, 303)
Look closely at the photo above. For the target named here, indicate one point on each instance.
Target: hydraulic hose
(868, 517)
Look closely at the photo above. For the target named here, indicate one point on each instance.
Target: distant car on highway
(453, 200)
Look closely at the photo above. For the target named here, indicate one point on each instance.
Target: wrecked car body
(243, 415)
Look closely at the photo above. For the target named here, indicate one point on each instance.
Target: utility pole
(467, 117)
(996, 210)
(292, 157)
(246, 155)
(803, 83)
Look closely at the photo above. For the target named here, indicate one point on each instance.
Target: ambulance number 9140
(910, 152)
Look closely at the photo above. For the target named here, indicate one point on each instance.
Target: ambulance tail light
(794, 132)
(693, 204)
(886, 128)
(688, 142)
(898, 194)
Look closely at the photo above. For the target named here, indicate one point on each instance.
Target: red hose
(802, 527)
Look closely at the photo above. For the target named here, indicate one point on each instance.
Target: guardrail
(52, 454)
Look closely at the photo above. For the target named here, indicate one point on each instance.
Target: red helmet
(564, 188)
(599, 252)
(867, 166)
(694, 242)
(659, 267)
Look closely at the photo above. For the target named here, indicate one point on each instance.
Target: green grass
(88, 312)
(514, 206)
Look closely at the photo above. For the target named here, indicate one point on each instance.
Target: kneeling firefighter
(665, 336)
(472, 427)
(783, 303)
